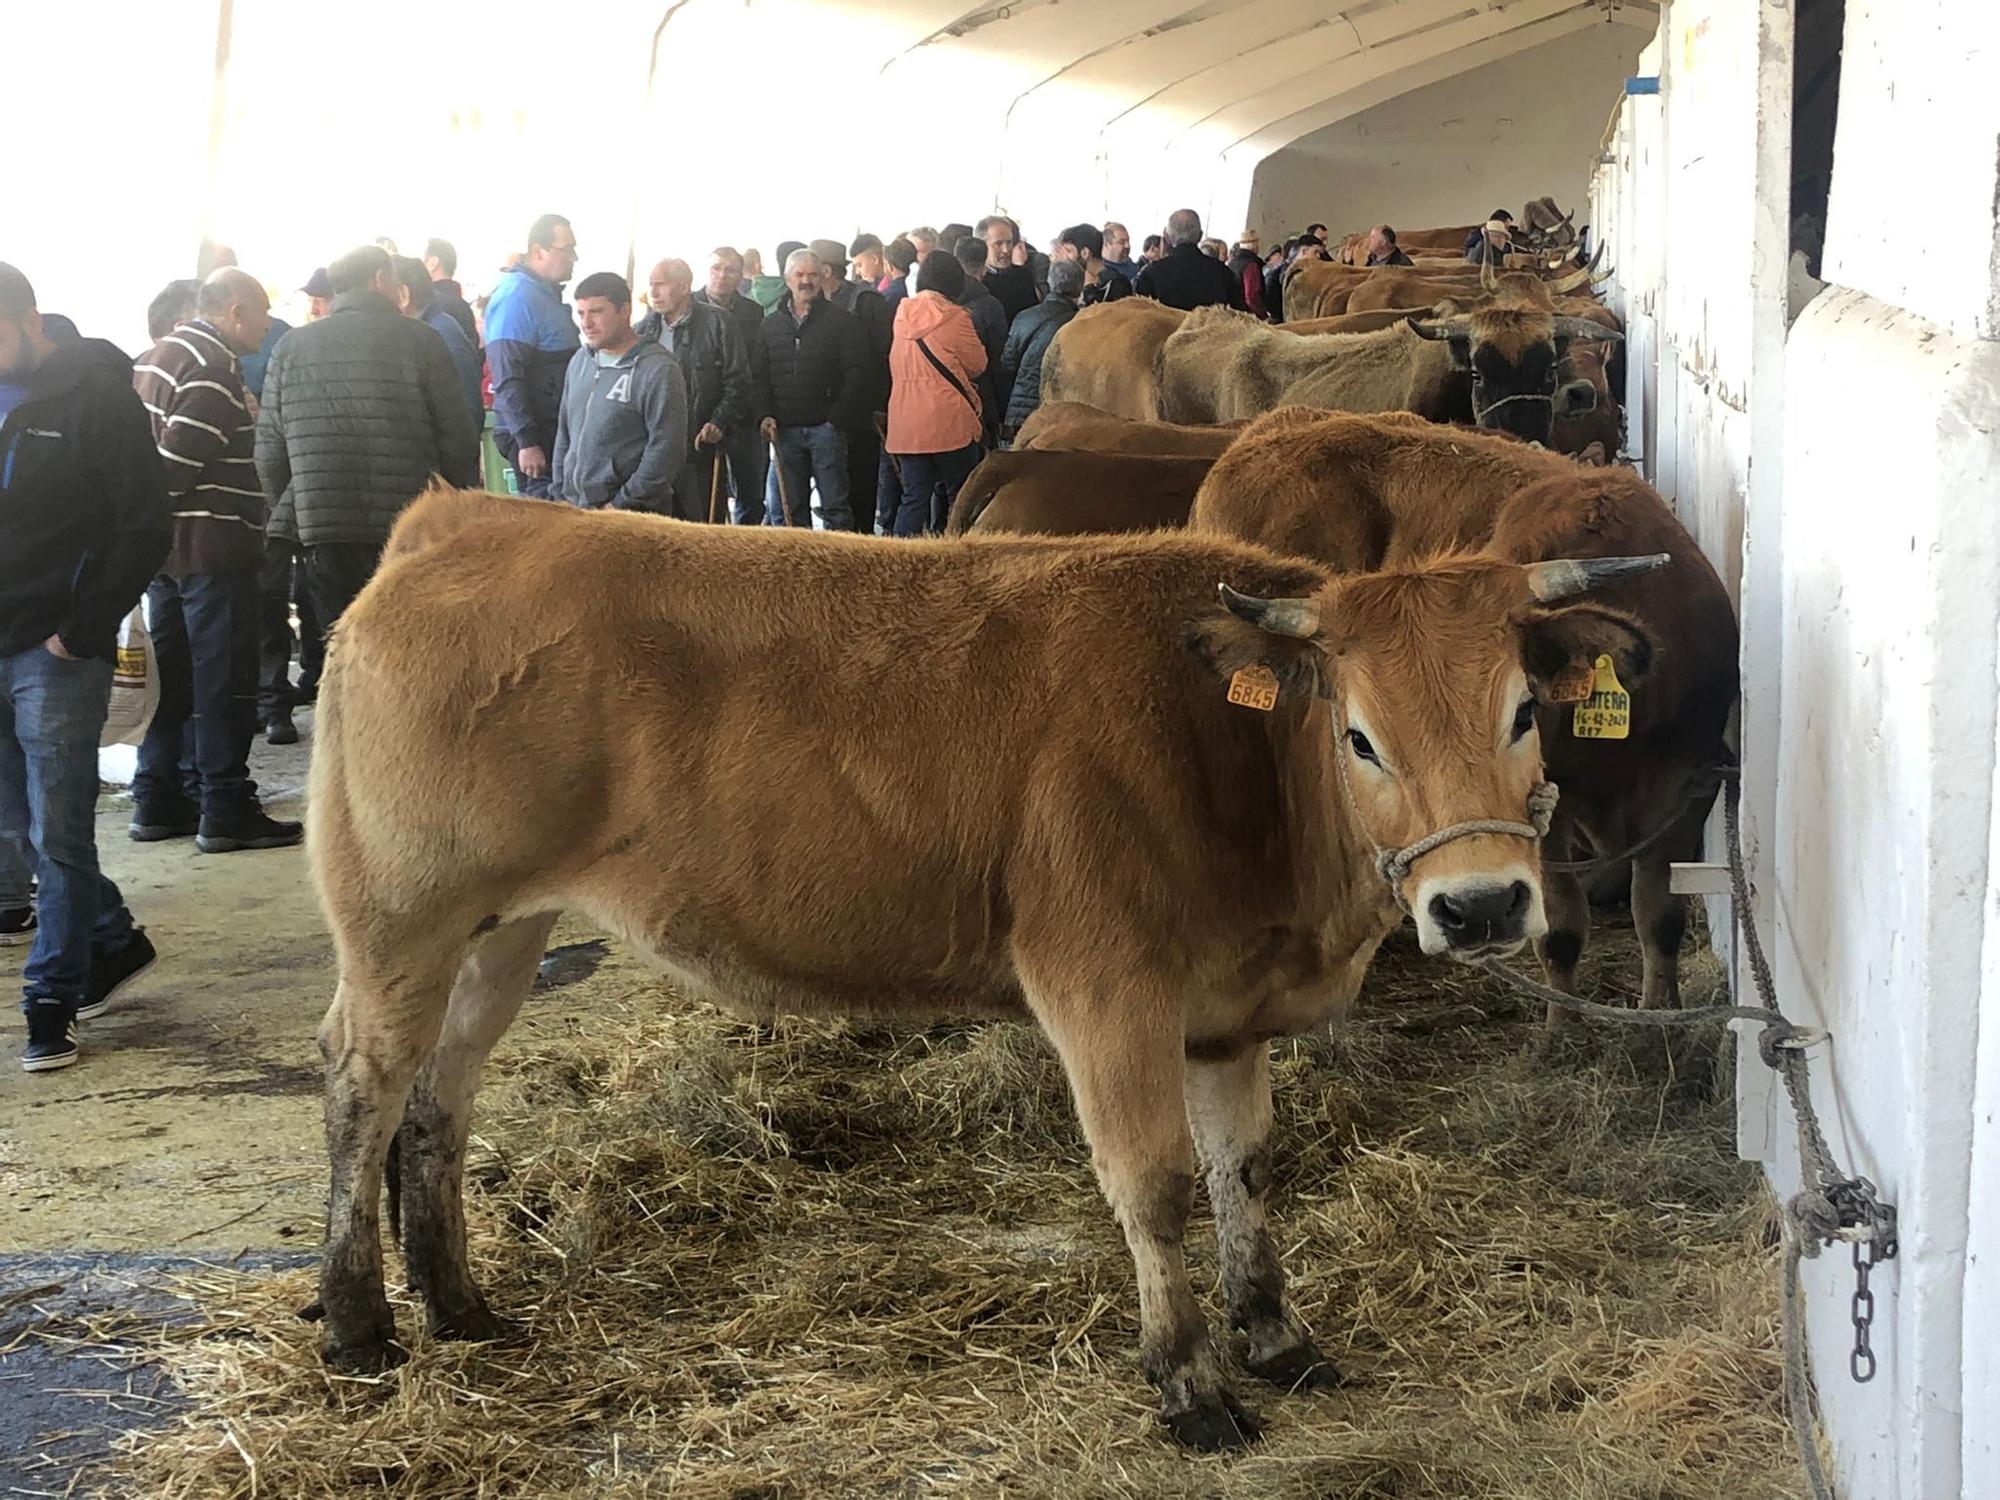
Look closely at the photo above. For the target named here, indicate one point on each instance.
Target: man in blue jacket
(529, 340)
(420, 302)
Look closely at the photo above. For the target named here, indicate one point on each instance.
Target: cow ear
(1559, 647)
(1227, 645)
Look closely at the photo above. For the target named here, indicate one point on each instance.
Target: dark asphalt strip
(62, 1402)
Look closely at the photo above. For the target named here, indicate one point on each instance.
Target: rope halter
(1393, 865)
(1481, 409)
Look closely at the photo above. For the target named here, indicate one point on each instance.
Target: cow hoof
(313, 1312)
(476, 1325)
(1301, 1367)
(1213, 1426)
(369, 1357)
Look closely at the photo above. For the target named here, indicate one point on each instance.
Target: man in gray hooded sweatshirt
(622, 436)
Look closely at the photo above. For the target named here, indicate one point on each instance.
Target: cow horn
(1293, 617)
(1580, 275)
(1458, 327)
(1562, 577)
(1586, 331)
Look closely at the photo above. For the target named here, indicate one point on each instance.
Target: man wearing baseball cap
(319, 294)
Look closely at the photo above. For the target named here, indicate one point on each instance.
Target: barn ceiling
(1249, 75)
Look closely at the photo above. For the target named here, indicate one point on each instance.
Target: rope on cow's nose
(1479, 412)
(1394, 865)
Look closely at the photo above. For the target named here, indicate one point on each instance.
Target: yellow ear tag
(1607, 713)
(1254, 687)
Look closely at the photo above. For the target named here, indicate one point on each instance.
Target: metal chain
(1830, 1206)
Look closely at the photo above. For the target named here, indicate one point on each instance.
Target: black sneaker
(156, 819)
(51, 1040)
(225, 833)
(17, 925)
(280, 730)
(111, 971)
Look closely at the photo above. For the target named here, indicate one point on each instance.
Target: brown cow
(1360, 493)
(1318, 289)
(1022, 748)
(1070, 426)
(1413, 242)
(1057, 493)
(1498, 365)
(1362, 322)
(1105, 357)
(1401, 287)
(1315, 289)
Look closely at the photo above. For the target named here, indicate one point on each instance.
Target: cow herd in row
(1215, 683)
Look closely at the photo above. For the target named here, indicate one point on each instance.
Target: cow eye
(1524, 718)
(1359, 743)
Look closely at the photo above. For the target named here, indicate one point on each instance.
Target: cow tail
(392, 1183)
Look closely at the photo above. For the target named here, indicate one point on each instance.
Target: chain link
(1861, 1361)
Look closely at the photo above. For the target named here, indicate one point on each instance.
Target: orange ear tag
(1254, 687)
(1573, 686)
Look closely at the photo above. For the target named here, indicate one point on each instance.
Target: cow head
(1515, 346)
(1434, 674)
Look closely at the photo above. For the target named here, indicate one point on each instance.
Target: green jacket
(767, 291)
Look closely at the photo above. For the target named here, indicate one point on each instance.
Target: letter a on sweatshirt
(621, 389)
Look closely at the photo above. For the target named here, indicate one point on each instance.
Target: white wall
(1447, 154)
(1846, 476)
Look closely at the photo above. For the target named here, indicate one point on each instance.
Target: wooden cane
(784, 490)
(714, 483)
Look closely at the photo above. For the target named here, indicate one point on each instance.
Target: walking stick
(714, 483)
(784, 490)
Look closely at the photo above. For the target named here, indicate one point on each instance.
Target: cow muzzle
(1477, 914)
(1476, 917)
(1576, 398)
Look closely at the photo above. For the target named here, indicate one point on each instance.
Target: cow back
(1057, 493)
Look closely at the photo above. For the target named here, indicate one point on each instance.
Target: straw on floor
(855, 1260)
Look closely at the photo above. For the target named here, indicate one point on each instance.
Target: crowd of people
(242, 473)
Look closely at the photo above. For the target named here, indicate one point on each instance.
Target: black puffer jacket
(714, 364)
(84, 518)
(360, 409)
(871, 310)
(1021, 362)
(814, 371)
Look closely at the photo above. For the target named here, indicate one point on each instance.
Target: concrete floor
(192, 1123)
(189, 1131)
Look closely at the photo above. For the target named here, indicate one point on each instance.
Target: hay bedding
(847, 1260)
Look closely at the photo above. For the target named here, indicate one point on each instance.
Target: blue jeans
(749, 471)
(815, 455)
(51, 713)
(17, 872)
(205, 632)
(931, 481)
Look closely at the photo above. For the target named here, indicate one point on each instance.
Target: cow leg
(1658, 915)
(1229, 1105)
(429, 1146)
(376, 1035)
(1127, 1076)
(1567, 906)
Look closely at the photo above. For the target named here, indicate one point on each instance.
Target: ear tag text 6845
(1254, 687)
